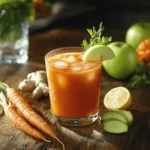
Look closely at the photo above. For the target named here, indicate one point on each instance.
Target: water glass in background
(14, 29)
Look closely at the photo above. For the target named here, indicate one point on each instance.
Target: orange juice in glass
(74, 86)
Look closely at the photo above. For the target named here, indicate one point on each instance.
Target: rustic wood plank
(90, 137)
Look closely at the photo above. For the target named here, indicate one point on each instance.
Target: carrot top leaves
(3, 86)
(3, 101)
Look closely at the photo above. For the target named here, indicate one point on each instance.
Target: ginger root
(36, 84)
(1, 110)
(27, 85)
(41, 89)
(38, 77)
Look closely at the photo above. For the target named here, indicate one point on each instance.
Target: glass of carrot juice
(74, 86)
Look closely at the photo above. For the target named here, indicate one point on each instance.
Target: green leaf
(96, 38)
(146, 79)
(135, 81)
(12, 14)
(90, 31)
(141, 76)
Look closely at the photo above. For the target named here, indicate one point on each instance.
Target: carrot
(143, 51)
(18, 121)
(27, 112)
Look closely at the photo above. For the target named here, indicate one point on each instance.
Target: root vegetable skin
(21, 124)
(38, 77)
(29, 114)
(143, 51)
(36, 84)
(40, 90)
(14, 117)
(26, 111)
(1, 110)
(27, 85)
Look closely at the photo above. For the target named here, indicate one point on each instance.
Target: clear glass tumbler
(14, 29)
(74, 86)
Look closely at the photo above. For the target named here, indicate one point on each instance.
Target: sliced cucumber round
(114, 126)
(128, 115)
(113, 115)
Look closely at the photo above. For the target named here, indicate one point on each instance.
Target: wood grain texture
(91, 137)
(84, 138)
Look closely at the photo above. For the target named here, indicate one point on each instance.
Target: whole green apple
(125, 62)
(137, 32)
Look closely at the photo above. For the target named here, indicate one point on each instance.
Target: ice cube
(62, 80)
(91, 76)
(76, 68)
(70, 58)
(87, 66)
(60, 63)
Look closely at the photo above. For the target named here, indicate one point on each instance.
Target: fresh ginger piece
(40, 90)
(36, 84)
(37, 93)
(38, 77)
(1, 110)
(45, 89)
(27, 85)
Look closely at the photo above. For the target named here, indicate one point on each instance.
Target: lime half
(95, 53)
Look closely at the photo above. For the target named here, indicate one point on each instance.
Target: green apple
(137, 32)
(94, 53)
(125, 62)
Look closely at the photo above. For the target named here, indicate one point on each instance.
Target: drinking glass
(14, 29)
(74, 86)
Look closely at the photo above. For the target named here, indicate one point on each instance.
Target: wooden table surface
(91, 137)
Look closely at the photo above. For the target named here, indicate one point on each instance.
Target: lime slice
(118, 98)
(95, 53)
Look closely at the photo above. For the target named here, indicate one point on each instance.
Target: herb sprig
(141, 76)
(96, 37)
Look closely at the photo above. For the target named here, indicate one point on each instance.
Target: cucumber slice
(128, 115)
(114, 126)
(113, 115)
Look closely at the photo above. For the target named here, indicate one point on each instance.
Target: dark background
(82, 14)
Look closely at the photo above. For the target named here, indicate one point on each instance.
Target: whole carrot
(18, 121)
(27, 112)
